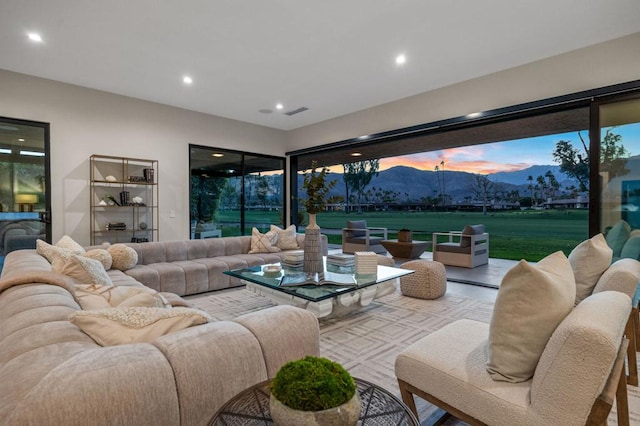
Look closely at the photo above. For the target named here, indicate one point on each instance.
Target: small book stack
(366, 263)
(341, 259)
(293, 259)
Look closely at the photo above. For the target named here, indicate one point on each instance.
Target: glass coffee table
(349, 291)
(251, 407)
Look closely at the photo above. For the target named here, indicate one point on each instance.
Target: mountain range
(411, 184)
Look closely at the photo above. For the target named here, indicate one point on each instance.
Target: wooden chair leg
(635, 311)
(407, 398)
(622, 402)
(632, 362)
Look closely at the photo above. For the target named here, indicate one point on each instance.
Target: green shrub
(313, 384)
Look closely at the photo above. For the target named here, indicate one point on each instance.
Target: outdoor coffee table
(405, 250)
(325, 300)
(251, 407)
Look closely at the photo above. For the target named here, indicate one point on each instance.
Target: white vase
(312, 247)
(346, 414)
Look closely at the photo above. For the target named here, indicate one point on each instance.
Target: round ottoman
(429, 281)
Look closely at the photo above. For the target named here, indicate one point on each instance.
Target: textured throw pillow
(631, 247)
(50, 252)
(263, 243)
(102, 256)
(124, 257)
(67, 243)
(589, 260)
(119, 326)
(286, 239)
(82, 269)
(622, 276)
(94, 296)
(617, 236)
(532, 301)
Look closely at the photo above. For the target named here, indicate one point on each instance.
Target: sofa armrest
(285, 334)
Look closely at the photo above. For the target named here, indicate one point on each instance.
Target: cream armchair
(357, 236)
(469, 248)
(583, 358)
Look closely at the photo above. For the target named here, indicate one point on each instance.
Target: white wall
(85, 122)
(613, 62)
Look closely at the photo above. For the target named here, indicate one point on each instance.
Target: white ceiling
(332, 56)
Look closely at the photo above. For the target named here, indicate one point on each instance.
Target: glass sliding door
(232, 191)
(24, 184)
(617, 127)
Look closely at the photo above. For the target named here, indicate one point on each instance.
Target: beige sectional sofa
(197, 266)
(51, 373)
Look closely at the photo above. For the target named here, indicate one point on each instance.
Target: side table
(408, 250)
(251, 407)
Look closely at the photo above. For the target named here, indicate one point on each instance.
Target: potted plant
(314, 390)
(317, 187)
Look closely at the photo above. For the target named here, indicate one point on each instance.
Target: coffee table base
(337, 306)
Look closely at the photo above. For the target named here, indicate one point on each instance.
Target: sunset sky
(504, 156)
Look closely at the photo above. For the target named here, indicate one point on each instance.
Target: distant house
(580, 202)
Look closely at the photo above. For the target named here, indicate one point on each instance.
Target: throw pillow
(589, 260)
(361, 225)
(617, 236)
(94, 296)
(124, 257)
(631, 247)
(82, 269)
(470, 230)
(263, 243)
(50, 252)
(102, 256)
(532, 301)
(622, 276)
(119, 326)
(286, 239)
(67, 243)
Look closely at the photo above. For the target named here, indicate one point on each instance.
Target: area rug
(366, 342)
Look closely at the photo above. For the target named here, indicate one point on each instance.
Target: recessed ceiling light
(35, 37)
(356, 154)
(363, 137)
(21, 140)
(279, 106)
(401, 59)
(217, 155)
(474, 114)
(187, 80)
(5, 151)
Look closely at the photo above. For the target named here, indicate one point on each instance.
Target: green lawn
(513, 235)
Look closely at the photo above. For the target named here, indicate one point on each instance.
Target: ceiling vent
(296, 111)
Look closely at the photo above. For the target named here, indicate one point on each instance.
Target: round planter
(346, 414)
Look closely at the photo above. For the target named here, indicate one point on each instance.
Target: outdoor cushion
(531, 302)
(362, 240)
(357, 224)
(470, 230)
(631, 248)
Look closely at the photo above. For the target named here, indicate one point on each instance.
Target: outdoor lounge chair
(357, 236)
(469, 248)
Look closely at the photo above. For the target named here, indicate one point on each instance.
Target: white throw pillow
(102, 256)
(263, 243)
(532, 301)
(67, 243)
(124, 257)
(82, 269)
(589, 260)
(119, 326)
(286, 237)
(94, 296)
